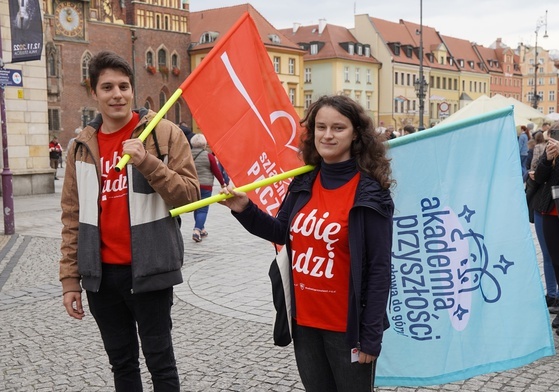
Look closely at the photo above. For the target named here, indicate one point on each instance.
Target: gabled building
(336, 63)
(474, 79)
(392, 45)
(208, 26)
(544, 82)
(503, 67)
(443, 90)
(153, 37)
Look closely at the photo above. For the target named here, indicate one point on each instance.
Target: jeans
(118, 313)
(324, 362)
(201, 214)
(548, 272)
(550, 224)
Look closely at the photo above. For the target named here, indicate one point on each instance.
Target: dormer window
(367, 51)
(471, 64)
(350, 49)
(274, 38)
(395, 46)
(314, 48)
(360, 50)
(409, 51)
(208, 36)
(461, 63)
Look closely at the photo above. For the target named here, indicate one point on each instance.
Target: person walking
(207, 168)
(55, 153)
(118, 241)
(336, 223)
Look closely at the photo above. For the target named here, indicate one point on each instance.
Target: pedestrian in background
(523, 147)
(118, 240)
(55, 154)
(409, 129)
(547, 176)
(207, 168)
(341, 213)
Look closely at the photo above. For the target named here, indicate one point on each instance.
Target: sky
(479, 21)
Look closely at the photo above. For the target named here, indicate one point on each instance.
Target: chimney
(296, 27)
(321, 25)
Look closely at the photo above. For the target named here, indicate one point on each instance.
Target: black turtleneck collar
(334, 175)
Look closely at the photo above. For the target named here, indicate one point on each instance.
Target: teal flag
(466, 296)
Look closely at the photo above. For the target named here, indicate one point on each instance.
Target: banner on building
(238, 102)
(27, 30)
(466, 295)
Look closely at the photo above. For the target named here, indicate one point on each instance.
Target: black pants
(550, 225)
(324, 362)
(121, 316)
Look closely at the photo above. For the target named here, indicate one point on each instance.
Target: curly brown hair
(368, 148)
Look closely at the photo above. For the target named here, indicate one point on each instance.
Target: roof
(462, 49)
(220, 20)
(332, 36)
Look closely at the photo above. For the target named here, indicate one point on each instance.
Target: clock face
(69, 19)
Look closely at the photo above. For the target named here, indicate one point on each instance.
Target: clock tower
(69, 19)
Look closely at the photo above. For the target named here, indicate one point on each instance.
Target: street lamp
(420, 84)
(535, 97)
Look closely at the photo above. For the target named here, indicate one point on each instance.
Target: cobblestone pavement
(222, 317)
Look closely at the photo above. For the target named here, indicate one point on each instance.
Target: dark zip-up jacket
(166, 178)
(370, 244)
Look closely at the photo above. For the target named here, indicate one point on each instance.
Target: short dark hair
(409, 128)
(108, 60)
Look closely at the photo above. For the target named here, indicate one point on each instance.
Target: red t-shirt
(321, 262)
(114, 221)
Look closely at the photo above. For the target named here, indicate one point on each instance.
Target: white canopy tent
(523, 114)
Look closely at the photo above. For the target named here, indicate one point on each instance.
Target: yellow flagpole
(245, 188)
(154, 121)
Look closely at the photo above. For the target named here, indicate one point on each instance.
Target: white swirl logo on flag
(441, 267)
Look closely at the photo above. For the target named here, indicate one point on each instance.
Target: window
(292, 66)
(87, 116)
(395, 77)
(292, 95)
(162, 58)
(350, 49)
(162, 99)
(408, 79)
(552, 96)
(54, 120)
(51, 64)
(369, 81)
(85, 66)
(395, 106)
(552, 81)
(357, 75)
(360, 50)
(166, 22)
(368, 101)
(314, 48)
(175, 61)
(308, 74)
(308, 100)
(177, 109)
(346, 74)
(367, 51)
(149, 58)
(277, 64)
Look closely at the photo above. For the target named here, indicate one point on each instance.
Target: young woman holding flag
(336, 223)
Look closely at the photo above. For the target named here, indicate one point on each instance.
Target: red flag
(239, 103)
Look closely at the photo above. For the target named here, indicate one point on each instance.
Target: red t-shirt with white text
(321, 261)
(114, 221)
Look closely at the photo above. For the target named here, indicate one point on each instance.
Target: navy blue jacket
(370, 244)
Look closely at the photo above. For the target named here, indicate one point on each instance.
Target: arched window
(162, 58)
(162, 100)
(147, 105)
(177, 109)
(52, 64)
(175, 61)
(149, 58)
(85, 66)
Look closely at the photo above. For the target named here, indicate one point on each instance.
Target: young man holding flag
(118, 238)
